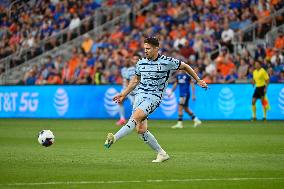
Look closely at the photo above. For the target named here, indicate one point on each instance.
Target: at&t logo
(61, 101)
(169, 104)
(226, 101)
(281, 101)
(111, 107)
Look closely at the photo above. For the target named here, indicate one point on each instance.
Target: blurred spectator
(58, 64)
(227, 37)
(259, 52)
(30, 78)
(224, 63)
(179, 41)
(277, 57)
(186, 50)
(87, 43)
(273, 78)
(231, 77)
(281, 77)
(74, 23)
(219, 78)
(243, 71)
(198, 44)
(54, 79)
(279, 41)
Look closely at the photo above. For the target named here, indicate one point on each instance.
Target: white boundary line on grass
(139, 181)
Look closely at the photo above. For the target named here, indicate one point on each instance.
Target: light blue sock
(148, 138)
(126, 129)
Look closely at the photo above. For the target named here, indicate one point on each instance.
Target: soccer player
(184, 81)
(152, 73)
(260, 80)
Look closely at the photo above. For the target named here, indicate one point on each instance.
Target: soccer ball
(46, 138)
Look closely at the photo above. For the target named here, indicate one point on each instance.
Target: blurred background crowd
(200, 33)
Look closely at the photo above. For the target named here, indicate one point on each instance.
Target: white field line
(138, 181)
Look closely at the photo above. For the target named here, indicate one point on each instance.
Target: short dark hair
(152, 41)
(136, 54)
(257, 61)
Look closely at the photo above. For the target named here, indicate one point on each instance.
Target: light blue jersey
(127, 73)
(130, 75)
(130, 72)
(124, 74)
(154, 75)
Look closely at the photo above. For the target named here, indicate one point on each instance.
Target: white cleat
(161, 157)
(177, 126)
(110, 140)
(196, 122)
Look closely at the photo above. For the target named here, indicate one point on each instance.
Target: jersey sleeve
(137, 69)
(266, 76)
(127, 76)
(130, 73)
(173, 64)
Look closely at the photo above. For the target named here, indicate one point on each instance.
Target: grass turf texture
(227, 154)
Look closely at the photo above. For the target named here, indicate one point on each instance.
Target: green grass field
(228, 154)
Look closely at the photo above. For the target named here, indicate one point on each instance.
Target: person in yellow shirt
(260, 80)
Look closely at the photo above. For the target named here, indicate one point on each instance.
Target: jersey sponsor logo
(182, 80)
(281, 100)
(226, 101)
(61, 101)
(111, 107)
(169, 103)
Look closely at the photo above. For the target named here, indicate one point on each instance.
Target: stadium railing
(272, 35)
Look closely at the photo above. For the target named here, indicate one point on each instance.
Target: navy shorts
(183, 100)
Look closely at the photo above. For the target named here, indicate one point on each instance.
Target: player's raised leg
(148, 137)
(123, 131)
(126, 129)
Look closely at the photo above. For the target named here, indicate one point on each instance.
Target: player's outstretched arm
(130, 87)
(191, 72)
